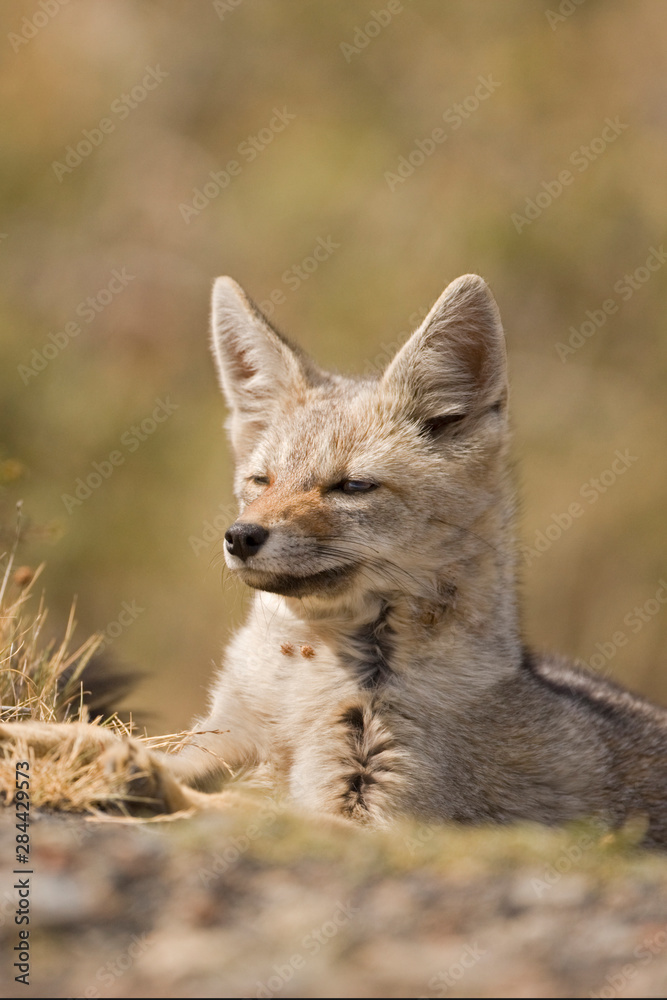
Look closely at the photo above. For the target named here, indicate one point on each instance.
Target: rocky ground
(259, 903)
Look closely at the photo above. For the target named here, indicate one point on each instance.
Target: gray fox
(381, 671)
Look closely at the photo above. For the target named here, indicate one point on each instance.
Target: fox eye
(437, 424)
(356, 486)
(260, 480)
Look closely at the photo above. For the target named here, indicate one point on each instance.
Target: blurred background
(343, 162)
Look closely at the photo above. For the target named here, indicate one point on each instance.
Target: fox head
(351, 487)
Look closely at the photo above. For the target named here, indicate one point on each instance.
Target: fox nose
(245, 539)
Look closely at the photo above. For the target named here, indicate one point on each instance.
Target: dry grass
(69, 777)
(41, 681)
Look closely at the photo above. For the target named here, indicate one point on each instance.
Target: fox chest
(301, 673)
(331, 733)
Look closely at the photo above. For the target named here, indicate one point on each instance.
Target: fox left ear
(257, 367)
(455, 364)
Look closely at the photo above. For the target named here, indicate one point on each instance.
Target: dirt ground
(259, 903)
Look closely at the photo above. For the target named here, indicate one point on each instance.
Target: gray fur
(415, 694)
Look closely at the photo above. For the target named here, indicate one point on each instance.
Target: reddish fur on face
(282, 501)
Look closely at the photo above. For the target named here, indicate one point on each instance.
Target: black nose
(245, 539)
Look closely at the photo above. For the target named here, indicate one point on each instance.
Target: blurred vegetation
(202, 79)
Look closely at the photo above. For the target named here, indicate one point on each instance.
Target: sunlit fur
(381, 669)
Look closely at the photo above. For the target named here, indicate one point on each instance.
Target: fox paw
(104, 768)
(145, 778)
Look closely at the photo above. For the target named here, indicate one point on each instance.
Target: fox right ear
(256, 366)
(454, 365)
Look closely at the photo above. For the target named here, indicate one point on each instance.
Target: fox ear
(454, 365)
(256, 366)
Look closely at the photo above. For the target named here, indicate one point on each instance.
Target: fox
(381, 672)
